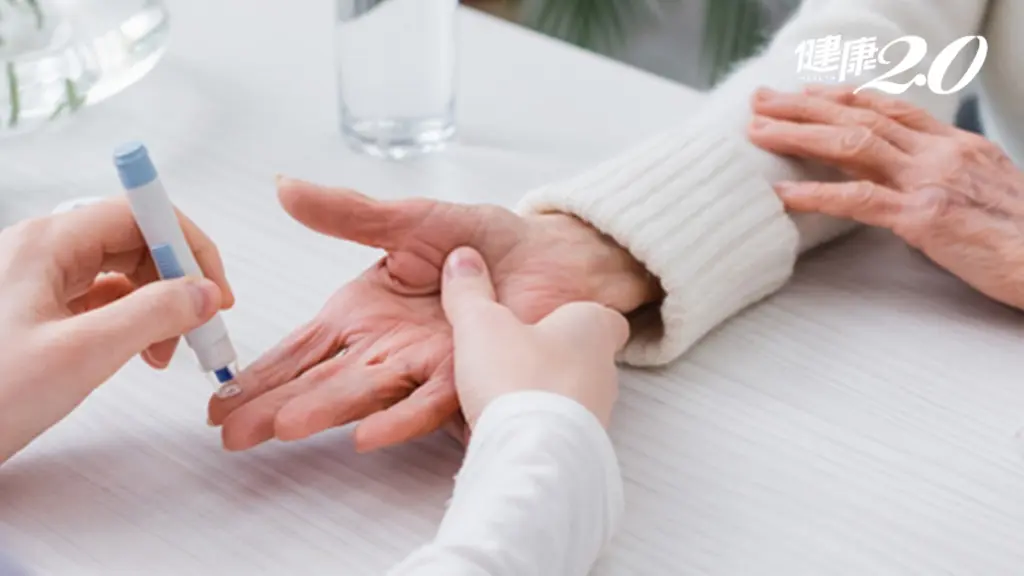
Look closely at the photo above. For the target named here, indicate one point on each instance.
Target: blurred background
(690, 41)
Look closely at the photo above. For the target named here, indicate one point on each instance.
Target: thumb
(349, 215)
(101, 341)
(466, 286)
(588, 324)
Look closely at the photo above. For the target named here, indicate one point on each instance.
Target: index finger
(855, 149)
(899, 110)
(863, 201)
(89, 238)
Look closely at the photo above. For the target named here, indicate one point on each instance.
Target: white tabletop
(860, 422)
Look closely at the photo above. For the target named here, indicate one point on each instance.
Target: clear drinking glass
(396, 65)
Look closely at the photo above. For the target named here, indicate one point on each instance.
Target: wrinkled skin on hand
(952, 194)
(380, 350)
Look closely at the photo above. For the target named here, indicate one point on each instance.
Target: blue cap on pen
(133, 165)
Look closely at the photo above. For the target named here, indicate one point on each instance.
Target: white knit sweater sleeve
(695, 204)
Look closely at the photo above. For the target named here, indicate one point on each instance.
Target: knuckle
(30, 230)
(801, 108)
(896, 108)
(962, 156)
(933, 204)
(858, 117)
(977, 145)
(28, 239)
(318, 337)
(855, 141)
(841, 94)
(861, 193)
(926, 213)
(875, 122)
(816, 190)
(170, 304)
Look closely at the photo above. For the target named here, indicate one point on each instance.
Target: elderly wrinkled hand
(952, 194)
(380, 350)
(79, 298)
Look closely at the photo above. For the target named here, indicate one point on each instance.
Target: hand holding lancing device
(79, 298)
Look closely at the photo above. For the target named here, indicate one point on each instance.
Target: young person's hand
(570, 352)
(79, 298)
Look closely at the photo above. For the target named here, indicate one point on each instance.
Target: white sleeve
(539, 494)
(695, 205)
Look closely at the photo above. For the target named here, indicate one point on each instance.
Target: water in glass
(396, 65)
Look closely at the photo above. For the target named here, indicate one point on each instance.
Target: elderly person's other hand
(952, 194)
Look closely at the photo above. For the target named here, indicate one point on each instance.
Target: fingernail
(209, 422)
(464, 262)
(759, 122)
(157, 363)
(764, 93)
(202, 291)
(786, 188)
(228, 390)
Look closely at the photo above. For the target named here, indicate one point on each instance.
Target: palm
(395, 372)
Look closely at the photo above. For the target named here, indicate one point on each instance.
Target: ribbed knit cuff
(695, 209)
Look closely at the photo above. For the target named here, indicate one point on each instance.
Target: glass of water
(396, 66)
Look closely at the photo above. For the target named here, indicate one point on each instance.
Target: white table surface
(860, 422)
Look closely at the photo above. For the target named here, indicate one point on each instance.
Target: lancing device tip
(156, 218)
(223, 375)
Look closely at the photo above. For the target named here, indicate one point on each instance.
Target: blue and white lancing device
(156, 218)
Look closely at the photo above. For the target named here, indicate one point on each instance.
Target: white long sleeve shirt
(539, 494)
(696, 205)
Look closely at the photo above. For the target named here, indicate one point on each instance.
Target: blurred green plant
(10, 71)
(733, 29)
(72, 98)
(32, 6)
(13, 95)
(599, 25)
